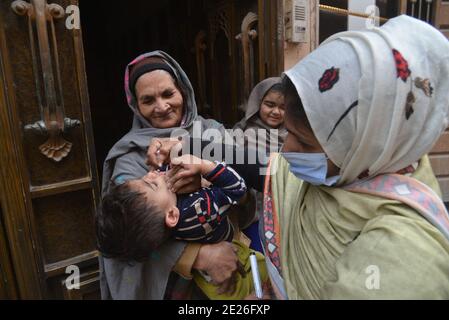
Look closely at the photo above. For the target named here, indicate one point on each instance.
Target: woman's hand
(161, 149)
(185, 175)
(220, 262)
(182, 181)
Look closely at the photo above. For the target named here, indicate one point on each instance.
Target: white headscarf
(377, 100)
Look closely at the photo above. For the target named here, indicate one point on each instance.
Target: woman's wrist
(185, 263)
(207, 167)
(198, 264)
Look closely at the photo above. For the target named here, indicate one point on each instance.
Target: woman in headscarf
(363, 105)
(352, 208)
(264, 111)
(161, 97)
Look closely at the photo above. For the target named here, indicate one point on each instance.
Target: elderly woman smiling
(161, 97)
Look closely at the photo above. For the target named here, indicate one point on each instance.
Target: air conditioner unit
(296, 20)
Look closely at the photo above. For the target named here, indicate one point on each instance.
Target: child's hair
(278, 87)
(128, 227)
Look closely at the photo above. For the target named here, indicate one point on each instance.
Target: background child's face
(272, 109)
(154, 186)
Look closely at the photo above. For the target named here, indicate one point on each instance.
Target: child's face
(272, 109)
(154, 186)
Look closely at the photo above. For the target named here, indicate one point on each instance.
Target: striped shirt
(203, 214)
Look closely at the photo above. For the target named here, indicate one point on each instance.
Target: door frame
(15, 195)
(271, 35)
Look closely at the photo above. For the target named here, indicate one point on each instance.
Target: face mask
(310, 167)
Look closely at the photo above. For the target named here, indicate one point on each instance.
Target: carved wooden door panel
(240, 44)
(49, 185)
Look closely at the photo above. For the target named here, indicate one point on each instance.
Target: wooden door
(8, 287)
(49, 185)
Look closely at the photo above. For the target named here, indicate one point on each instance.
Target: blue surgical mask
(310, 167)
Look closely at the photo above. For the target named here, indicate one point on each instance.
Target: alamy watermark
(73, 20)
(73, 280)
(373, 20)
(228, 145)
(372, 282)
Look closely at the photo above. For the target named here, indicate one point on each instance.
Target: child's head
(136, 217)
(272, 108)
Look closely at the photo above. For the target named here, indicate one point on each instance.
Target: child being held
(139, 215)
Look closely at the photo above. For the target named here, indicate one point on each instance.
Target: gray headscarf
(126, 159)
(252, 119)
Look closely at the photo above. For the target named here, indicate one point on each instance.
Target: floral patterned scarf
(377, 99)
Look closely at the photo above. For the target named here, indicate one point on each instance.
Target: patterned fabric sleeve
(226, 182)
(204, 213)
